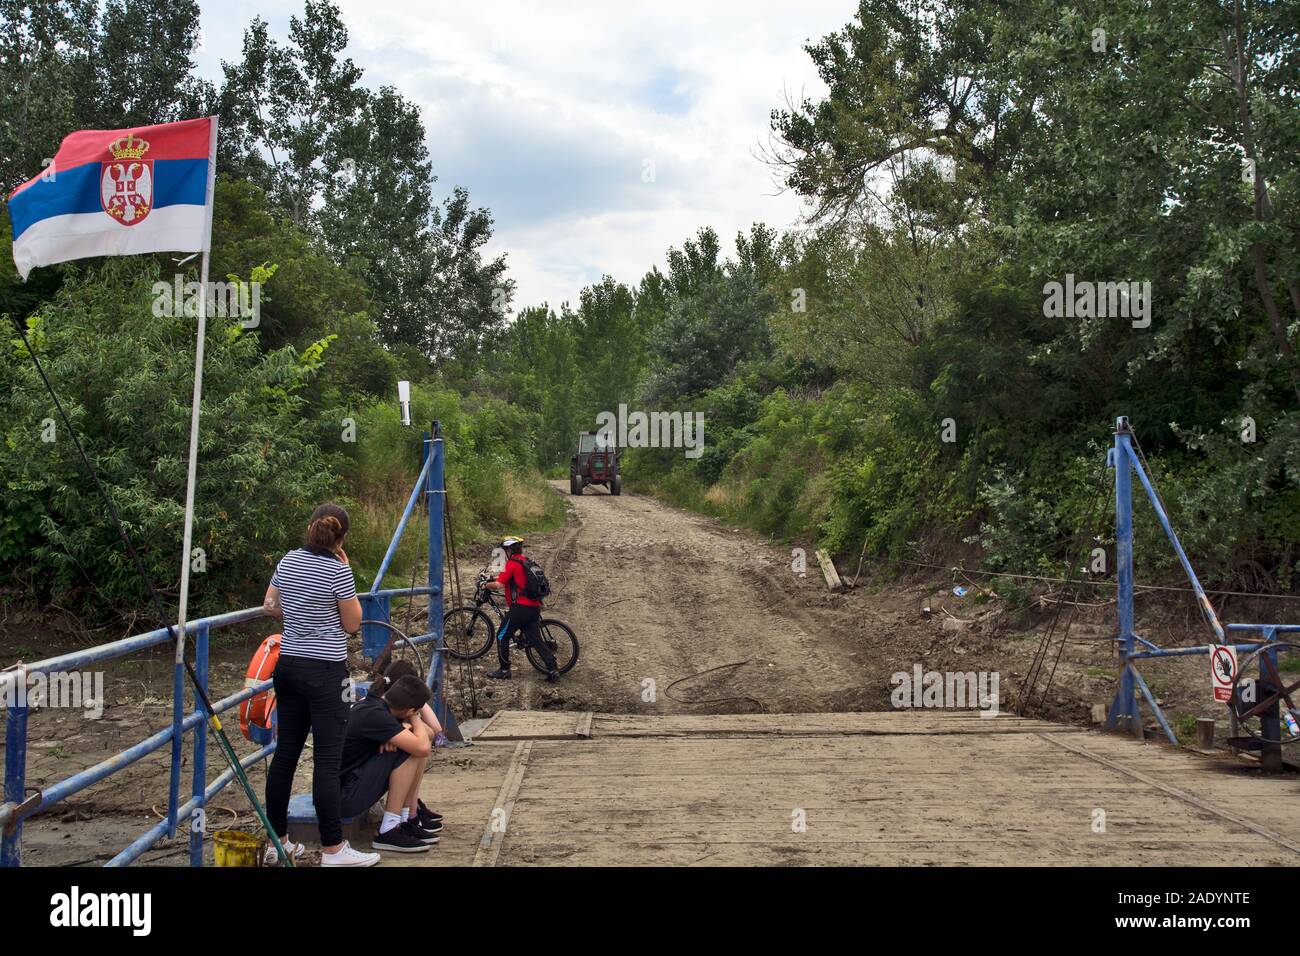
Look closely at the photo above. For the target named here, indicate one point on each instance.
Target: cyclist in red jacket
(524, 614)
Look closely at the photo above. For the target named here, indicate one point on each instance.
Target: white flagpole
(193, 460)
(192, 476)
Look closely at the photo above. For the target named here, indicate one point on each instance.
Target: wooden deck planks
(878, 789)
(568, 725)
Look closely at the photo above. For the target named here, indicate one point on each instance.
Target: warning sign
(1223, 671)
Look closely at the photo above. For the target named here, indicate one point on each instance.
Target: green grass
(512, 504)
(373, 524)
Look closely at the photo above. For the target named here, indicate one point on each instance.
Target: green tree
(124, 375)
(291, 102)
(144, 67)
(376, 213)
(717, 316)
(46, 52)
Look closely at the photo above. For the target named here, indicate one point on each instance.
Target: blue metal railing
(18, 805)
(376, 604)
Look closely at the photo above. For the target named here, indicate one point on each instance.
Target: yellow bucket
(236, 848)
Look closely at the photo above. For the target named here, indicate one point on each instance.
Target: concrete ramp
(901, 788)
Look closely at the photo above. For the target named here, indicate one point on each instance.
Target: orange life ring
(257, 714)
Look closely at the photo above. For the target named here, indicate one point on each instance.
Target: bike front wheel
(468, 633)
(560, 641)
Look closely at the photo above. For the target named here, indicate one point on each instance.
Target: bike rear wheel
(560, 641)
(399, 648)
(468, 632)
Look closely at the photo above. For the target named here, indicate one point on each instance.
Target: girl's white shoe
(295, 851)
(346, 856)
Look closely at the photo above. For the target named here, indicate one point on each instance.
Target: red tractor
(595, 463)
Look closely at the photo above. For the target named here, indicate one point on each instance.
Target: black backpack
(536, 587)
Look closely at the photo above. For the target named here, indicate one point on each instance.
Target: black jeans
(523, 618)
(311, 696)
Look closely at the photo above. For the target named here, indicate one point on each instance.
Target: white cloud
(547, 113)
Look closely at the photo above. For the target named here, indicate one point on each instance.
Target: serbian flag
(117, 193)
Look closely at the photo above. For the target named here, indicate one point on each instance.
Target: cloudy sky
(555, 115)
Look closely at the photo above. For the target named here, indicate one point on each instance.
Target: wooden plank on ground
(951, 797)
(799, 725)
(986, 800)
(494, 832)
(1194, 800)
(828, 571)
(485, 727)
(534, 725)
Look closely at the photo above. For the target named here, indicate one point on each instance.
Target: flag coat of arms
(118, 193)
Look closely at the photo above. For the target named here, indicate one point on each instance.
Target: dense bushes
(125, 377)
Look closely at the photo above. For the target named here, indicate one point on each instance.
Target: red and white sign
(1223, 671)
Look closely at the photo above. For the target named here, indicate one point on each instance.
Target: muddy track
(676, 613)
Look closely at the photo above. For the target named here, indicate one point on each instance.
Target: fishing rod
(227, 750)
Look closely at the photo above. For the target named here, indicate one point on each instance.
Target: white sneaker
(295, 851)
(346, 856)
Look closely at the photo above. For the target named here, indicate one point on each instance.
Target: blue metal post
(1124, 708)
(1270, 722)
(178, 741)
(420, 483)
(11, 847)
(426, 445)
(375, 607)
(435, 496)
(198, 822)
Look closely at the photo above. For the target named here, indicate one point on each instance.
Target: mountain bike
(470, 631)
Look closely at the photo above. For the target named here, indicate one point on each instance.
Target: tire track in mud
(656, 592)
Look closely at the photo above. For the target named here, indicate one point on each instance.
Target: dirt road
(676, 613)
(719, 622)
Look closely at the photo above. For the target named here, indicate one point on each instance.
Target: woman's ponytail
(328, 527)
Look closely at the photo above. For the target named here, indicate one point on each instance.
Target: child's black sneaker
(399, 839)
(427, 817)
(427, 826)
(426, 837)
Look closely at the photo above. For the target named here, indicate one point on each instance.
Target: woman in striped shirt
(314, 593)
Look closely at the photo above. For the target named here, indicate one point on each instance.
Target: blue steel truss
(1124, 713)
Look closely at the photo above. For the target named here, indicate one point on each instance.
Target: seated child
(425, 817)
(385, 748)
